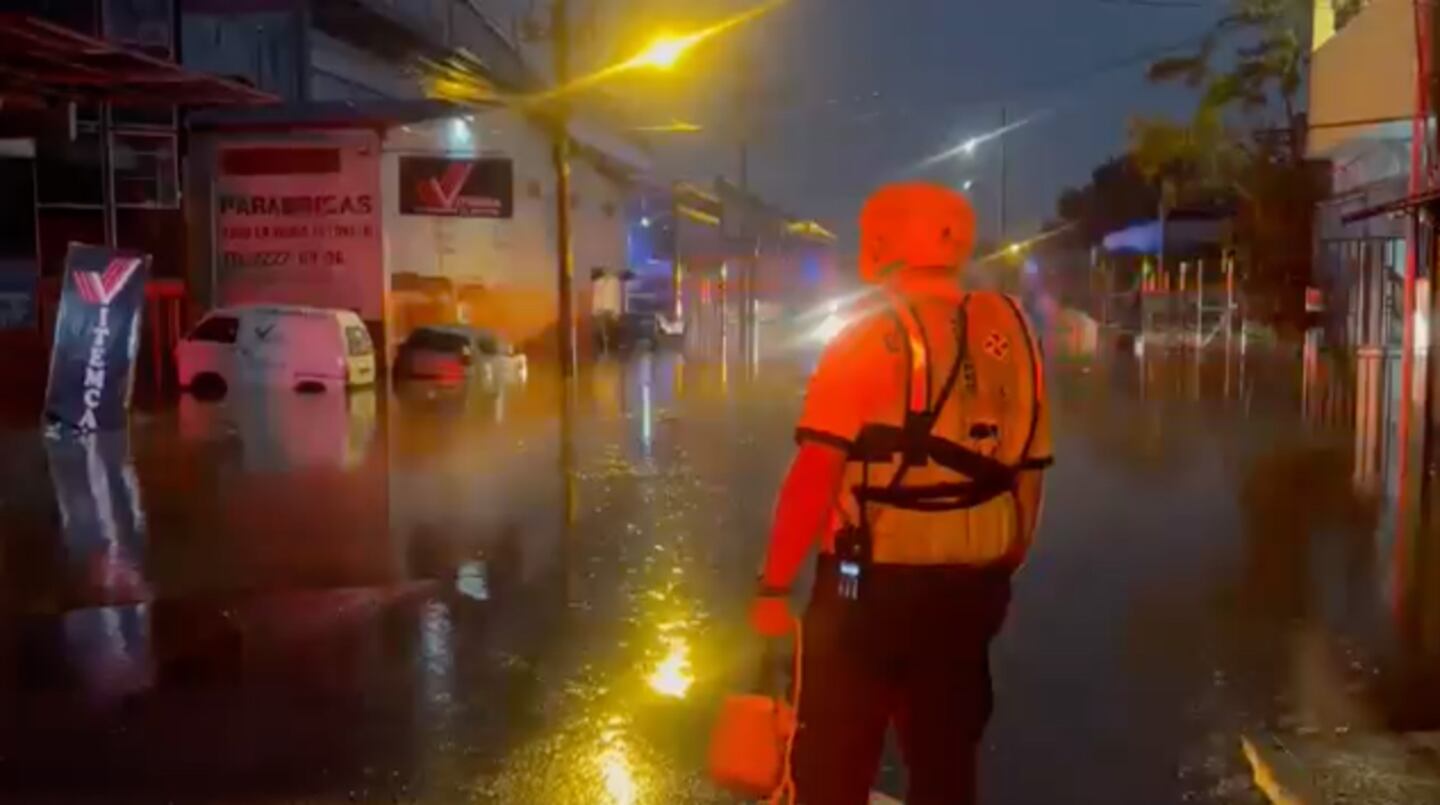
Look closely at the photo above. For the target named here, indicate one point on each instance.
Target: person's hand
(770, 615)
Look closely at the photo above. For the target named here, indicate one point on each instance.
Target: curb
(1277, 774)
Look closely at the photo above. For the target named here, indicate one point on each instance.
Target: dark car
(457, 352)
(637, 329)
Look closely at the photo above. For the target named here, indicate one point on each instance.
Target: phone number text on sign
(279, 259)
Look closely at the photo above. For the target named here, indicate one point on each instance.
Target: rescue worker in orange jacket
(918, 471)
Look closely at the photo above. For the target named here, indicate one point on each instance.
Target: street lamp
(664, 51)
(661, 54)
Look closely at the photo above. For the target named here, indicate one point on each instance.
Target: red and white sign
(100, 287)
(457, 188)
(298, 222)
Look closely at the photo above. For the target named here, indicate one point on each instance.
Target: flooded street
(447, 595)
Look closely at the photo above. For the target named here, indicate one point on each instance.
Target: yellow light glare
(661, 54)
(616, 772)
(664, 51)
(673, 127)
(1015, 249)
(672, 677)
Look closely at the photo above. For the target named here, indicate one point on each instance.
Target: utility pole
(745, 162)
(750, 237)
(565, 258)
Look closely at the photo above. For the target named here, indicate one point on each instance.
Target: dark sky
(851, 93)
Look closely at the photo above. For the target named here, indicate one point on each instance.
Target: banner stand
(97, 335)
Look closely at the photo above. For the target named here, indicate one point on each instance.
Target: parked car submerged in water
(456, 352)
(286, 346)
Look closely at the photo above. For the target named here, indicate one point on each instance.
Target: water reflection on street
(442, 594)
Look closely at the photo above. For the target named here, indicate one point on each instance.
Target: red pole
(1418, 126)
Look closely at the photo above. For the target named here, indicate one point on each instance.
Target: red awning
(40, 59)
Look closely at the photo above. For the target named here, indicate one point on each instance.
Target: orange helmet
(914, 225)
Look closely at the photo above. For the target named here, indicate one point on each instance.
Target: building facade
(1362, 107)
(355, 78)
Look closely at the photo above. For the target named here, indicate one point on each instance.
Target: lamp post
(661, 54)
(970, 146)
(565, 258)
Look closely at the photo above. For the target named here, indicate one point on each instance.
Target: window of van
(357, 341)
(217, 329)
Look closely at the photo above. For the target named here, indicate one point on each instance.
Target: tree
(1232, 152)
(1118, 195)
(1266, 61)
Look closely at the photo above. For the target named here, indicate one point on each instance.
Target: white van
(289, 346)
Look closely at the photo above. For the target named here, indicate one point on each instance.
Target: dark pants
(914, 651)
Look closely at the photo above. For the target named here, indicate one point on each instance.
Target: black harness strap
(877, 443)
(1035, 368)
(919, 425)
(935, 497)
(916, 443)
(965, 461)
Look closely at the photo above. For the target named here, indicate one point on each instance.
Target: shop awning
(1179, 234)
(40, 59)
(1403, 204)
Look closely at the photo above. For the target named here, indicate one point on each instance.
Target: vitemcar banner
(97, 333)
(457, 188)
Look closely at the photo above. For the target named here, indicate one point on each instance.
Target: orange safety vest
(931, 479)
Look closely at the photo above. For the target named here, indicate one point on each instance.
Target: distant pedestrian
(919, 470)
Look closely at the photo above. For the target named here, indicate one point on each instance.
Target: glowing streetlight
(673, 127)
(1015, 249)
(969, 183)
(969, 146)
(664, 51)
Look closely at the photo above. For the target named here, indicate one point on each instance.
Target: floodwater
(456, 595)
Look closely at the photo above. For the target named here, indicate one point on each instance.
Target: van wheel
(310, 387)
(208, 386)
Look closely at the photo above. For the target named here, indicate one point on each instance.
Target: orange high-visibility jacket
(937, 397)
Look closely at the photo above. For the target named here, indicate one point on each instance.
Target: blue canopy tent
(1180, 236)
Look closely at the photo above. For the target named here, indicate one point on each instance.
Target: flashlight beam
(1009, 250)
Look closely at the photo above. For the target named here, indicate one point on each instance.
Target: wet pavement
(453, 595)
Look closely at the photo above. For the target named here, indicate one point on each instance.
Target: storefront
(407, 212)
